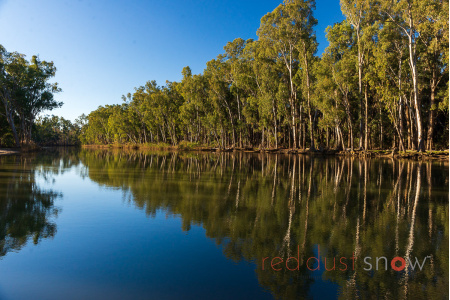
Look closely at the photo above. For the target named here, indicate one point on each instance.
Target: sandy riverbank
(8, 151)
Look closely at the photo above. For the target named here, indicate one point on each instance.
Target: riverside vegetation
(382, 83)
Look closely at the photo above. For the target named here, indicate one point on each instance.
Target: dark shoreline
(8, 151)
(409, 154)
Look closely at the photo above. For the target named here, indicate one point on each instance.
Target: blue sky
(103, 49)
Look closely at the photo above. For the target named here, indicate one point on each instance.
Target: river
(115, 224)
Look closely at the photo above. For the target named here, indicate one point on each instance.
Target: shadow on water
(262, 206)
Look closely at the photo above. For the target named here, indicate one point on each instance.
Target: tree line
(381, 83)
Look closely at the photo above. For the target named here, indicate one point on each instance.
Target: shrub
(7, 140)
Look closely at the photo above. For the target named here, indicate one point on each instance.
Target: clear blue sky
(103, 49)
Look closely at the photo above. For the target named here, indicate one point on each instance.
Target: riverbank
(8, 151)
(24, 149)
(409, 154)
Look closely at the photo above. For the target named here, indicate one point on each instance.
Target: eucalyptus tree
(196, 110)
(172, 100)
(12, 70)
(390, 77)
(121, 124)
(301, 13)
(189, 110)
(97, 130)
(157, 110)
(327, 101)
(224, 108)
(356, 12)
(141, 104)
(134, 110)
(6, 138)
(25, 90)
(38, 93)
(434, 35)
(341, 58)
(238, 70)
(279, 35)
(265, 75)
(408, 15)
(288, 35)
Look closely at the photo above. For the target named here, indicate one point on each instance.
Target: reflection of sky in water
(106, 249)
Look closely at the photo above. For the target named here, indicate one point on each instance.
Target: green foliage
(7, 140)
(25, 92)
(55, 131)
(184, 145)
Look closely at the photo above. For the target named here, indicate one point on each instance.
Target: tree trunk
(239, 117)
(400, 121)
(300, 127)
(400, 104)
(366, 145)
(350, 138)
(13, 128)
(9, 116)
(262, 142)
(275, 129)
(308, 95)
(293, 97)
(303, 136)
(293, 128)
(360, 88)
(381, 129)
(431, 119)
(409, 126)
(311, 132)
(328, 137)
(413, 65)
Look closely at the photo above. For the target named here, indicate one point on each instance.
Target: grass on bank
(191, 146)
(183, 146)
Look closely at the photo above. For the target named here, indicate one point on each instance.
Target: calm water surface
(89, 224)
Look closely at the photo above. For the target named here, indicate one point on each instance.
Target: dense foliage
(25, 91)
(382, 82)
(57, 131)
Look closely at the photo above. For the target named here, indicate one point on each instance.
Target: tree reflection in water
(26, 210)
(265, 205)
